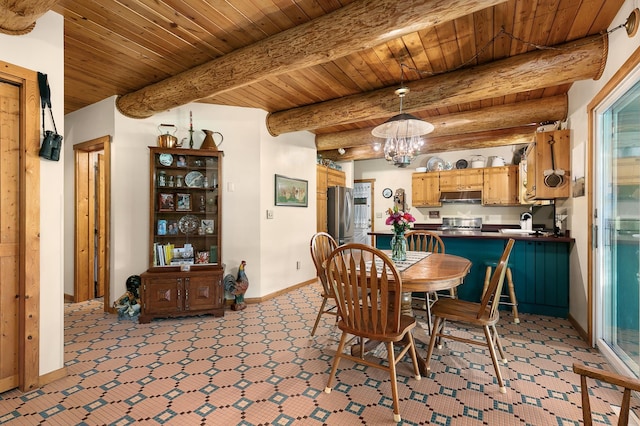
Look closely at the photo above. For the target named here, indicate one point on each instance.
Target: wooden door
(9, 234)
(500, 186)
(425, 189)
(470, 180)
(418, 191)
(449, 180)
(19, 228)
(200, 292)
(321, 199)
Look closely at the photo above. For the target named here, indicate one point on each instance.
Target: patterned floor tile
(260, 366)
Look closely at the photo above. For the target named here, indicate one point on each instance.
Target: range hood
(466, 197)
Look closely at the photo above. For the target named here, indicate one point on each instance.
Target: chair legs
(492, 339)
(336, 362)
(394, 383)
(435, 331)
(392, 359)
(494, 359)
(430, 299)
(323, 311)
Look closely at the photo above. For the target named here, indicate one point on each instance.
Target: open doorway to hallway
(92, 224)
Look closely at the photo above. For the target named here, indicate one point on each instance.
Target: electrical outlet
(434, 214)
(269, 214)
(379, 215)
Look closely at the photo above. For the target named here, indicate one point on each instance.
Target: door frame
(630, 64)
(371, 195)
(86, 195)
(29, 199)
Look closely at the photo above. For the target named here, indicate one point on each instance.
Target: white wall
(80, 126)
(251, 158)
(42, 50)
(387, 175)
(581, 93)
(285, 238)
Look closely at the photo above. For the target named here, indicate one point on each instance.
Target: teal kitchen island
(540, 267)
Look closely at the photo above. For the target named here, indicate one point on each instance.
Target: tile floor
(261, 367)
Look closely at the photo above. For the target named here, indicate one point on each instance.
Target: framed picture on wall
(291, 192)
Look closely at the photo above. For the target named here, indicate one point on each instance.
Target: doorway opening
(92, 196)
(363, 206)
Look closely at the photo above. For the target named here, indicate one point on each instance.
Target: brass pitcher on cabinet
(209, 142)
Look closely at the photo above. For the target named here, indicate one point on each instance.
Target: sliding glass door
(617, 231)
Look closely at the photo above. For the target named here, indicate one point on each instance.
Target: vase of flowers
(401, 221)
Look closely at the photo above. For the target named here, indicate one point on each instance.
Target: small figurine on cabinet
(237, 287)
(128, 305)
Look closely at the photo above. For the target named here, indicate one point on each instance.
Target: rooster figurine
(237, 287)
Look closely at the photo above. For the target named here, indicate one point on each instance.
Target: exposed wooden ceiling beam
(355, 27)
(19, 17)
(554, 108)
(578, 60)
(487, 139)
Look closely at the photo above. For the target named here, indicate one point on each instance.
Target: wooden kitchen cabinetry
(185, 269)
(325, 177)
(174, 294)
(461, 180)
(501, 186)
(539, 165)
(425, 189)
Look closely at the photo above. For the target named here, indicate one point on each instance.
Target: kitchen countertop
(492, 236)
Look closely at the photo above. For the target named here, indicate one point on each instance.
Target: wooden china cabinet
(185, 251)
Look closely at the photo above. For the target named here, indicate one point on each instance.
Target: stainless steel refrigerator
(340, 213)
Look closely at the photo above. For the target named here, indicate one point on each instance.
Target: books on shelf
(168, 254)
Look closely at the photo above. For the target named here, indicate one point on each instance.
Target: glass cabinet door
(185, 202)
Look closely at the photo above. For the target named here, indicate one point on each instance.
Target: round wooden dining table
(437, 271)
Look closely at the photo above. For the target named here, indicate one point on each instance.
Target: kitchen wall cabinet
(500, 186)
(425, 189)
(539, 165)
(185, 268)
(325, 178)
(461, 180)
(174, 294)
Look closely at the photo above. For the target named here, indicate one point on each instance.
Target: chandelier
(403, 135)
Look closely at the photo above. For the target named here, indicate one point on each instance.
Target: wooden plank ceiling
(269, 54)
